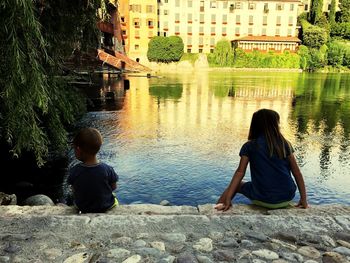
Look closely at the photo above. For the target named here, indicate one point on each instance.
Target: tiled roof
(269, 39)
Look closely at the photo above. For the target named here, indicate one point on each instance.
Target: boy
(92, 181)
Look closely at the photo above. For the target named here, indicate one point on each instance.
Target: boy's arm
(233, 187)
(299, 180)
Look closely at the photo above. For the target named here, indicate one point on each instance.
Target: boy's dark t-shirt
(92, 187)
(271, 176)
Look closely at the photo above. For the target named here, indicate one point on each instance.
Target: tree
(332, 12)
(223, 53)
(304, 54)
(314, 36)
(36, 104)
(165, 49)
(335, 54)
(345, 11)
(315, 11)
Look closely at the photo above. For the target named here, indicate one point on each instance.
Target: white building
(202, 23)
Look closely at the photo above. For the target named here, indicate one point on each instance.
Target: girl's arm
(299, 180)
(234, 185)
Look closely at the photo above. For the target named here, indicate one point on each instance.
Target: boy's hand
(223, 206)
(302, 204)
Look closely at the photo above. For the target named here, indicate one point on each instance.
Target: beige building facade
(139, 22)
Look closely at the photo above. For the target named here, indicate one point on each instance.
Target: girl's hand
(302, 204)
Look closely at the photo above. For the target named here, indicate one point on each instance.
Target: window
(211, 50)
(177, 3)
(122, 19)
(277, 31)
(238, 19)
(201, 18)
(137, 34)
(266, 8)
(224, 4)
(329, 7)
(166, 12)
(250, 20)
(166, 1)
(224, 31)
(201, 30)
(201, 6)
(189, 30)
(177, 29)
(149, 9)
(224, 18)
(251, 6)
(212, 4)
(164, 34)
(188, 50)
(306, 7)
(189, 3)
(150, 34)
(213, 18)
(278, 21)
(165, 24)
(137, 23)
(200, 41)
(279, 7)
(189, 41)
(291, 7)
(200, 50)
(238, 5)
(212, 41)
(135, 8)
(237, 31)
(290, 21)
(137, 47)
(250, 31)
(263, 33)
(289, 32)
(177, 17)
(264, 20)
(124, 32)
(150, 23)
(212, 30)
(189, 17)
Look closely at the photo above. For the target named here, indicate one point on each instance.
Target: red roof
(268, 39)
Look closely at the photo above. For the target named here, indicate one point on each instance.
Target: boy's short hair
(88, 140)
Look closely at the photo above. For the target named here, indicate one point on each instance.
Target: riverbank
(154, 233)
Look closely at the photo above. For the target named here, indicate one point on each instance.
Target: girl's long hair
(266, 122)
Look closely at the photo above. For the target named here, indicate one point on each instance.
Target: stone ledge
(151, 209)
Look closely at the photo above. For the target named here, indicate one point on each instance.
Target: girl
(271, 162)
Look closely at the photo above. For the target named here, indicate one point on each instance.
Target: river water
(177, 136)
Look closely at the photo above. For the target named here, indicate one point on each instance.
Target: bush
(223, 54)
(335, 54)
(304, 55)
(165, 49)
(314, 36)
(341, 30)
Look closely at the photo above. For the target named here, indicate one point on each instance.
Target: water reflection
(178, 137)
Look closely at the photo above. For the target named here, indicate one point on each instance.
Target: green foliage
(335, 54)
(332, 12)
(304, 55)
(192, 57)
(258, 59)
(314, 36)
(346, 58)
(165, 49)
(323, 23)
(345, 11)
(341, 29)
(223, 54)
(35, 104)
(317, 59)
(167, 92)
(315, 10)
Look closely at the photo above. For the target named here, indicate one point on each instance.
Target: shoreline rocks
(155, 233)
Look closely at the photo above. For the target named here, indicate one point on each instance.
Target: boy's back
(92, 186)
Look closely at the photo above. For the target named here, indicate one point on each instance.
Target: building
(202, 23)
(306, 5)
(139, 23)
(254, 24)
